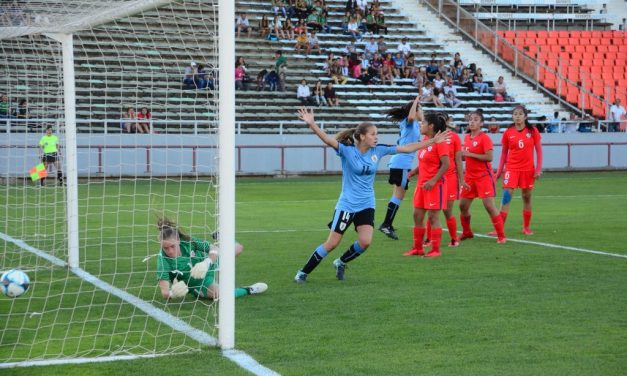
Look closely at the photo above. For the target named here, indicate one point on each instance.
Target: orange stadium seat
(595, 41)
(606, 41)
(584, 41)
(586, 49)
(532, 51)
(586, 62)
(549, 80)
(543, 34)
(608, 78)
(573, 41)
(562, 41)
(585, 34)
(563, 34)
(572, 94)
(541, 41)
(574, 73)
(569, 48)
(619, 34)
(602, 48)
(564, 57)
(576, 56)
(551, 41)
(555, 49)
(612, 48)
(611, 55)
(607, 34)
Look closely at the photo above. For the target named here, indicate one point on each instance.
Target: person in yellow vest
(50, 153)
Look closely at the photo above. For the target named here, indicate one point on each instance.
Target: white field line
(240, 358)
(542, 244)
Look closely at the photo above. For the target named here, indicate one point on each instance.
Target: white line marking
(56, 362)
(238, 357)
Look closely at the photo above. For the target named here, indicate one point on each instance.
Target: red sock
(526, 218)
(428, 230)
(419, 233)
(436, 239)
(497, 222)
(504, 216)
(465, 224)
(451, 224)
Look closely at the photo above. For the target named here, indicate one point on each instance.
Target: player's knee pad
(507, 197)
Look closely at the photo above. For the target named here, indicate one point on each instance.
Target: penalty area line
(238, 357)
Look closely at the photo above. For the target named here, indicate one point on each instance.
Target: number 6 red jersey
(519, 146)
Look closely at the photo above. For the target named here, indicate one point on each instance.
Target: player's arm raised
(307, 116)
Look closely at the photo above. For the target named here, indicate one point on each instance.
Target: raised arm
(415, 112)
(308, 117)
(414, 146)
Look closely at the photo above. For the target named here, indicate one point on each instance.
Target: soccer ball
(14, 283)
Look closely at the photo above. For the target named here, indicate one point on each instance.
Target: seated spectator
(410, 66)
(541, 124)
(313, 21)
(450, 95)
(426, 95)
(421, 78)
(188, 76)
(4, 107)
(380, 20)
(323, 17)
(303, 94)
(272, 79)
(240, 73)
(466, 80)
(399, 65)
(500, 90)
(313, 43)
(342, 61)
(277, 27)
(318, 94)
(336, 73)
(130, 117)
(144, 126)
(330, 96)
(371, 48)
(375, 66)
(477, 82)
(493, 126)
(302, 42)
(301, 27)
(261, 80)
(346, 19)
(288, 29)
(444, 69)
(571, 125)
(555, 124)
(264, 27)
(381, 46)
(242, 24)
(301, 9)
(387, 70)
(457, 65)
(361, 6)
(278, 6)
(21, 112)
(328, 63)
(371, 23)
(438, 81)
(614, 116)
(432, 68)
(404, 47)
(200, 78)
(438, 98)
(350, 48)
(351, 6)
(353, 28)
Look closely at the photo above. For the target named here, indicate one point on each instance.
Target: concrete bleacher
(138, 61)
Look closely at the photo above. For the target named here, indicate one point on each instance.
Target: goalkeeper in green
(188, 265)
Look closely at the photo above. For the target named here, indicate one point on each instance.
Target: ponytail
(353, 135)
(168, 229)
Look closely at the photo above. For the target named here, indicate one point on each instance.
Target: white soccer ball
(14, 283)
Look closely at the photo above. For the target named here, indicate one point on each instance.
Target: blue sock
(354, 251)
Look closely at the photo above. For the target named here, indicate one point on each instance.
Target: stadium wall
(187, 155)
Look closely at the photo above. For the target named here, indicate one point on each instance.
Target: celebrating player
(478, 179)
(187, 264)
(50, 153)
(453, 177)
(430, 194)
(360, 154)
(516, 164)
(408, 118)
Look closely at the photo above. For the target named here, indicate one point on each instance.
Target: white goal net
(146, 146)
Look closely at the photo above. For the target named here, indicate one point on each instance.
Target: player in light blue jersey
(360, 154)
(408, 118)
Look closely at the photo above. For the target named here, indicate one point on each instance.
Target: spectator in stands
(493, 126)
(457, 65)
(130, 119)
(240, 73)
(351, 6)
(302, 42)
(323, 20)
(301, 9)
(272, 79)
(336, 72)
(261, 80)
(500, 90)
(421, 78)
(616, 114)
(410, 66)
(4, 107)
(426, 95)
(477, 82)
(328, 63)
(281, 82)
(353, 28)
(288, 29)
(404, 47)
(382, 47)
(399, 65)
(376, 64)
(371, 23)
(541, 124)
(281, 61)
(444, 70)
(571, 125)
(361, 6)
(21, 112)
(188, 76)
(303, 94)
(371, 48)
(313, 21)
(350, 48)
(380, 20)
(278, 6)
(450, 95)
(318, 94)
(438, 97)
(432, 68)
(387, 70)
(264, 26)
(242, 24)
(466, 80)
(623, 25)
(438, 81)
(354, 66)
(330, 96)
(144, 126)
(313, 43)
(554, 124)
(200, 78)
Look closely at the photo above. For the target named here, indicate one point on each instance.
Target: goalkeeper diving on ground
(189, 265)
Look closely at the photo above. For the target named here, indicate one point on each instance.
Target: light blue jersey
(409, 133)
(358, 172)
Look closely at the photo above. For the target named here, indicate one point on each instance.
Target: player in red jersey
(478, 179)
(517, 164)
(454, 176)
(430, 194)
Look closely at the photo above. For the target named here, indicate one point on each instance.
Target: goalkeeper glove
(178, 290)
(200, 269)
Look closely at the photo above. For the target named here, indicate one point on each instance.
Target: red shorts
(518, 179)
(433, 199)
(452, 187)
(482, 188)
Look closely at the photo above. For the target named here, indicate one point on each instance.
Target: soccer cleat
(257, 288)
(414, 252)
(501, 240)
(427, 243)
(465, 236)
(454, 243)
(527, 231)
(300, 277)
(433, 254)
(492, 233)
(340, 267)
(388, 231)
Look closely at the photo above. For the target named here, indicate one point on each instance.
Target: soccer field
(543, 306)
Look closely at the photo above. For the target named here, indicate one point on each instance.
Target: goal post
(89, 246)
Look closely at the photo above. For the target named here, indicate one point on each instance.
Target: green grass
(481, 309)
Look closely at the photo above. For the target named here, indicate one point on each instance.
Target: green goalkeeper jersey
(192, 252)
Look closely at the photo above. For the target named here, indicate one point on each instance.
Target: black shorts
(343, 219)
(398, 177)
(49, 158)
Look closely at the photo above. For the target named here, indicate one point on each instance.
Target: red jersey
(454, 145)
(429, 161)
(480, 144)
(519, 146)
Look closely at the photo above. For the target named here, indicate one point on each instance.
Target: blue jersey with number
(358, 172)
(410, 132)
